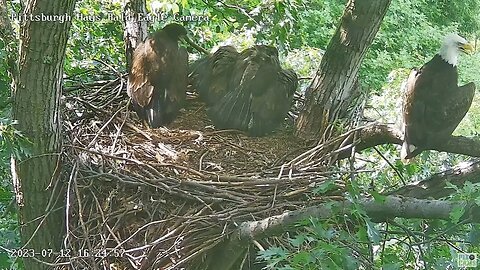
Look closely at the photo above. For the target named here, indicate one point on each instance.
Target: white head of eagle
(452, 45)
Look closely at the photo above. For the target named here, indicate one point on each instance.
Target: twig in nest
(104, 154)
(104, 126)
(183, 168)
(85, 231)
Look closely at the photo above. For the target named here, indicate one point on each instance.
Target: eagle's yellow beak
(467, 48)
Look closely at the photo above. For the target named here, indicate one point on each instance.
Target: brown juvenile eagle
(247, 91)
(157, 82)
(212, 75)
(434, 104)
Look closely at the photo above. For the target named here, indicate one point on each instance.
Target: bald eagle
(157, 82)
(434, 104)
(248, 91)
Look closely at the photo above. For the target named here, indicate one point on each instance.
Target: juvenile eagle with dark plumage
(434, 104)
(212, 75)
(247, 91)
(157, 82)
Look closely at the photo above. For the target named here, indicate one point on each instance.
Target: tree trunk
(335, 83)
(36, 107)
(135, 31)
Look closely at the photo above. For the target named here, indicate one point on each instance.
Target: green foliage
(340, 242)
(315, 245)
(267, 22)
(11, 143)
(415, 43)
(410, 33)
(9, 237)
(468, 66)
(96, 34)
(444, 13)
(5, 80)
(317, 24)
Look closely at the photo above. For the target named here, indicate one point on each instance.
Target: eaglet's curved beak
(467, 48)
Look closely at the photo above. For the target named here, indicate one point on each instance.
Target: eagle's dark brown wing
(260, 93)
(175, 93)
(222, 66)
(232, 110)
(457, 104)
(199, 75)
(158, 77)
(144, 65)
(413, 114)
(212, 75)
(270, 109)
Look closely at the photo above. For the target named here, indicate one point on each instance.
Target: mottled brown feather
(259, 95)
(158, 77)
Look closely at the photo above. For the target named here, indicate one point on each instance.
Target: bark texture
(336, 83)
(37, 90)
(378, 134)
(438, 185)
(135, 30)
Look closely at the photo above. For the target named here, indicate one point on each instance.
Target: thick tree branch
(39, 190)
(393, 206)
(412, 203)
(379, 134)
(436, 185)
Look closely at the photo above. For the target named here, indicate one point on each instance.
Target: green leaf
(392, 266)
(325, 187)
(378, 197)
(273, 252)
(302, 258)
(298, 240)
(474, 236)
(4, 261)
(456, 213)
(373, 233)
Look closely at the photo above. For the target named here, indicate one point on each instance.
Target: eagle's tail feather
(404, 153)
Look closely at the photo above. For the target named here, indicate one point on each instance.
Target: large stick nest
(142, 198)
